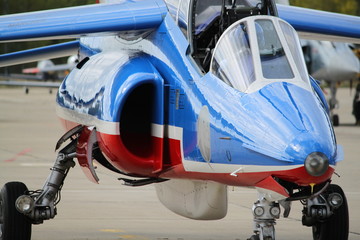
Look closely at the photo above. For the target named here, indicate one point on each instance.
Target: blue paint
(314, 21)
(38, 53)
(76, 22)
(278, 125)
(319, 92)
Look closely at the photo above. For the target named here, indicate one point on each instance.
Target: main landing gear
(325, 211)
(19, 208)
(328, 215)
(13, 224)
(333, 104)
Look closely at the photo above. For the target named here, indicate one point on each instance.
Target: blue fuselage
(222, 130)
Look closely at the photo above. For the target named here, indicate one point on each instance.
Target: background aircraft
(333, 63)
(45, 74)
(194, 96)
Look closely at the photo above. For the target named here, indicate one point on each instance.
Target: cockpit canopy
(242, 42)
(206, 11)
(203, 21)
(256, 51)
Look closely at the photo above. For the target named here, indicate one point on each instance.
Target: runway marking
(36, 164)
(124, 236)
(127, 236)
(112, 230)
(136, 237)
(19, 154)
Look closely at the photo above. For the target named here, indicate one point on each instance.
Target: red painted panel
(297, 175)
(120, 156)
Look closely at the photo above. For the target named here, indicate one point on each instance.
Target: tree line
(351, 7)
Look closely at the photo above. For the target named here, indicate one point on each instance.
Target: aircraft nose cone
(312, 150)
(289, 125)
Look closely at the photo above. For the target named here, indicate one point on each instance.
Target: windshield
(259, 49)
(272, 54)
(233, 61)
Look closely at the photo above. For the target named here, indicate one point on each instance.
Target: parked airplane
(332, 62)
(193, 96)
(45, 74)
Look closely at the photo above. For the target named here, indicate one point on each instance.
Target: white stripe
(175, 133)
(233, 169)
(112, 128)
(194, 166)
(157, 130)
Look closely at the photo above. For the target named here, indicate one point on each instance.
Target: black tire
(257, 237)
(336, 120)
(254, 237)
(337, 227)
(13, 225)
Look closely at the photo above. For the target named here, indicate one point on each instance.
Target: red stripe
(297, 175)
(158, 157)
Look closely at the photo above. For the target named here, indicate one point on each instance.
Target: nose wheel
(265, 214)
(13, 225)
(337, 225)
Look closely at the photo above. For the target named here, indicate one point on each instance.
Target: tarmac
(29, 129)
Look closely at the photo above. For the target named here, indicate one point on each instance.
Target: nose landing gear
(265, 213)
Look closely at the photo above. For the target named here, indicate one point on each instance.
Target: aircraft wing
(56, 68)
(37, 54)
(26, 80)
(320, 25)
(11, 77)
(75, 22)
(30, 84)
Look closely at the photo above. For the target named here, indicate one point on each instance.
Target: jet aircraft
(192, 96)
(332, 62)
(45, 74)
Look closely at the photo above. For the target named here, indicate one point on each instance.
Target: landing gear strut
(265, 213)
(19, 208)
(333, 104)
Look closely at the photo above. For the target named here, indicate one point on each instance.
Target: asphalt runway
(29, 130)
